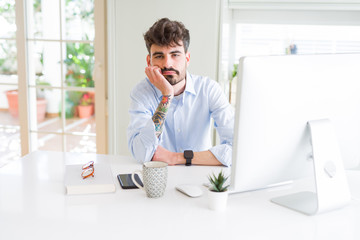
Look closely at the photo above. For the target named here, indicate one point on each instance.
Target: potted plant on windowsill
(218, 193)
(86, 106)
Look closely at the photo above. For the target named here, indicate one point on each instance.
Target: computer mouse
(190, 190)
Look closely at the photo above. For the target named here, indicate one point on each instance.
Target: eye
(158, 57)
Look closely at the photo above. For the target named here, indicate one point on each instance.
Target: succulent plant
(218, 182)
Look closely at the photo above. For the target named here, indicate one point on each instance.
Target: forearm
(200, 158)
(160, 114)
(175, 158)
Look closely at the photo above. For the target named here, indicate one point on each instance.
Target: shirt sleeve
(223, 114)
(142, 140)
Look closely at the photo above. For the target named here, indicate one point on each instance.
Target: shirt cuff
(223, 154)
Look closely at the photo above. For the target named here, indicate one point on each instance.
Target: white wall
(127, 22)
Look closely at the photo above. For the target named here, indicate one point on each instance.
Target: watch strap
(188, 155)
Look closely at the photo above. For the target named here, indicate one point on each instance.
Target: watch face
(188, 154)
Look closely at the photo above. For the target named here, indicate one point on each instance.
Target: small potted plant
(86, 107)
(218, 194)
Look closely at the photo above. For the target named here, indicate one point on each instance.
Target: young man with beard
(171, 110)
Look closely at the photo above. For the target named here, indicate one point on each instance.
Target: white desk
(33, 205)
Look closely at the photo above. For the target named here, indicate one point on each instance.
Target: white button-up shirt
(187, 123)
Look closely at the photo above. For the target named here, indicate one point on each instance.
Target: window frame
(99, 76)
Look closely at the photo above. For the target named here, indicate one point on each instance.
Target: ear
(148, 60)
(187, 56)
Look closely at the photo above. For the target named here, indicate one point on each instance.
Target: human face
(172, 60)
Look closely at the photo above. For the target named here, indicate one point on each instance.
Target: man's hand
(158, 80)
(164, 155)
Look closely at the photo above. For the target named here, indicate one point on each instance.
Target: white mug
(154, 176)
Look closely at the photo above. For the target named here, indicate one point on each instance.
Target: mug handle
(134, 180)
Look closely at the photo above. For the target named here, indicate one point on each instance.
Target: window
(56, 107)
(272, 31)
(60, 50)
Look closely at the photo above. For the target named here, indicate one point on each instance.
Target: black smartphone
(126, 181)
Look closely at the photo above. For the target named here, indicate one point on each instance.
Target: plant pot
(85, 111)
(217, 200)
(13, 99)
(41, 109)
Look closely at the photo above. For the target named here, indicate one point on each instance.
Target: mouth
(169, 71)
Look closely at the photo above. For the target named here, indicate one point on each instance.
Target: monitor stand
(332, 189)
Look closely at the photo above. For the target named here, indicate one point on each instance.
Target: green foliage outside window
(80, 63)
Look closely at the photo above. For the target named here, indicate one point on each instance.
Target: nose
(168, 62)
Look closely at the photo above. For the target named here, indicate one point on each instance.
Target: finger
(148, 70)
(152, 68)
(158, 73)
(150, 73)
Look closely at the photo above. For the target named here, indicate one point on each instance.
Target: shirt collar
(189, 84)
(188, 88)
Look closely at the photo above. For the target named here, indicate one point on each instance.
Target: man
(171, 110)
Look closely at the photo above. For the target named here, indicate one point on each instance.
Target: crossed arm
(174, 158)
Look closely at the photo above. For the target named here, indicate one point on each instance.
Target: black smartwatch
(188, 155)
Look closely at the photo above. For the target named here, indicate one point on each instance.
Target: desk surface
(33, 205)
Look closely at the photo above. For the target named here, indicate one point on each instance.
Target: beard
(173, 80)
(176, 78)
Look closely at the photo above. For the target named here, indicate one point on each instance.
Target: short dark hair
(165, 32)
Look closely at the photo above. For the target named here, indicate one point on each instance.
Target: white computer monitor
(276, 98)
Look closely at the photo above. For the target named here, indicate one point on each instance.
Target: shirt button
(181, 150)
(179, 130)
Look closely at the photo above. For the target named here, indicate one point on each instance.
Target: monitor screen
(276, 97)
